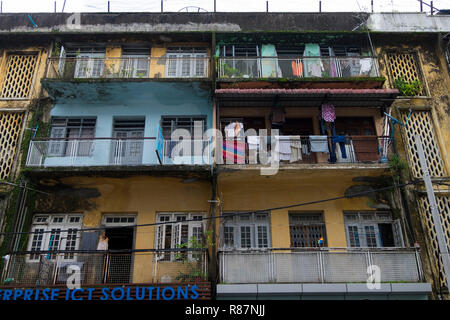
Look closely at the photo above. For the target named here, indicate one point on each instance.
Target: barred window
(307, 230)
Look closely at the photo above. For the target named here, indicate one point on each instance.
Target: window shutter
(398, 236)
(89, 240)
(160, 236)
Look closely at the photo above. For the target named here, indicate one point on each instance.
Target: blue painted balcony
(101, 152)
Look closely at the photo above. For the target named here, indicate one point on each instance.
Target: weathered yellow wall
(248, 190)
(39, 73)
(112, 61)
(145, 197)
(435, 80)
(157, 66)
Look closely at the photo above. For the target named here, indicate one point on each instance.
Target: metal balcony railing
(297, 67)
(127, 68)
(81, 152)
(298, 149)
(92, 268)
(328, 265)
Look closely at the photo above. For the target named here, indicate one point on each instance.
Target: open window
(177, 230)
(372, 230)
(135, 62)
(53, 233)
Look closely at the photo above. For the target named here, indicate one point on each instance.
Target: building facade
(261, 156)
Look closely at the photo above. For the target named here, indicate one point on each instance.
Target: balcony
(297, 68)
(51, 268)
(327, 265)
(297, 150)
(92, 152)
(128, 68)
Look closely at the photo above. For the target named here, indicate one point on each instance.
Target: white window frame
(179, 58)
(119, 223)
(47, 226)
(129, 67)
(362, 223)
(237, 222)
(160, 232)
(88, 61)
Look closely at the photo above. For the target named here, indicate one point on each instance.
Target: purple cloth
(328, 113)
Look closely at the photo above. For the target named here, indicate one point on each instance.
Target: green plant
(408, 88)
(194, 260)
(229, 72)
(398, 166)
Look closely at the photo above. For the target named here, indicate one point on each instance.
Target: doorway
(120, 233)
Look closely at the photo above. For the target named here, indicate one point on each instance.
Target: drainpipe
(19, 200)
(213, 269)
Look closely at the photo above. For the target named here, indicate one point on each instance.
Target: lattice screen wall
(10, 127)
(404, 65)
(18, 76)
(443, 203)
(421, 123)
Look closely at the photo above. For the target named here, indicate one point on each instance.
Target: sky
(29, 6)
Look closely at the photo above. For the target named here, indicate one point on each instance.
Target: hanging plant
(408, 88)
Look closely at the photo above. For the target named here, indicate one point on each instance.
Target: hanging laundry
(341, 140)
(234, 129)
(328, 113)
(278, 115)
(313, 66)
(234, 151)
(284, 147)
(234, 143)
(269, 65)
(253, 146)
(297, 68)
(366, 66)
(319, 143)
(296, 149)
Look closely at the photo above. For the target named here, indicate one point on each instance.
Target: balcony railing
(128, 68)
(297, 67)
(82, 152)
(319, 266)
(104, 267)
(298, 149)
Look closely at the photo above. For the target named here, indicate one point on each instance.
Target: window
(73, 128)
(186, 62)
(19, 75)
(246, 231)
(135, 62)
(128, 150)
(372, 230)
(195, 126)
(55, 232)
(185, 226)
(307, 229)
(90, 60)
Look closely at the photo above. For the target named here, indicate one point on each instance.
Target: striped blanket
(234, 151)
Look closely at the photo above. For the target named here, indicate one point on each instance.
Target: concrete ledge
(328, 290)
(237, 289)
(325, 288)
(362, 288)
(411, 287)
(280, 288)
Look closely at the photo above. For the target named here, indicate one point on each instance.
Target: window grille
(10, 127)
(19, 76)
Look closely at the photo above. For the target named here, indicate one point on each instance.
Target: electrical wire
(227, 215)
